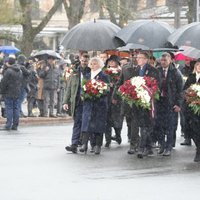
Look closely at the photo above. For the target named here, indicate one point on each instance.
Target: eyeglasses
(140, 58)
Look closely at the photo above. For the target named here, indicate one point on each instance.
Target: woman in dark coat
(115, 118)
(193, 120)
(95, 111)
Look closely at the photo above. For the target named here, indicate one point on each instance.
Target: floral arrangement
(94, 89)
(69, 71)
(114, 73)
(140, 91)
(192, 95)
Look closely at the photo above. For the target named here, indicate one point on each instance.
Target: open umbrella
(151, 33)
(97, 35)
(46, 53)
(190, 52)
(187, 35)
(130, 46)
(9, 49)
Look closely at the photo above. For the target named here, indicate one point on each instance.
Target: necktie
(164, 84)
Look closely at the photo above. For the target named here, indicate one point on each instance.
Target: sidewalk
(40, 120)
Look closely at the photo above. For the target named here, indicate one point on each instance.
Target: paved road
(35, 166)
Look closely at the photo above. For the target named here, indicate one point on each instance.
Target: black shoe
(119, 140)
(131, 150)
(31, 115)
(167, 152)
(84, 148)
(197, 157)
(140, 155)
(53, 116)
(92, 150)
(72, 148)
(97, 150)
(187, 142)
(148, 152)
(161, 151)
(107, 145)
(14, 128)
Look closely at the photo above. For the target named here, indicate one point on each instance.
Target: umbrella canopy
(133, 46)
(165, 50)
(190, 52)
(151, 33)
(46, 53)
(93, 35)
(9, 49)
(187, 35)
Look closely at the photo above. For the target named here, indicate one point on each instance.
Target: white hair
(98, 60)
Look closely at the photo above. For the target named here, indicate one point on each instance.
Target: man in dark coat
(21, 61)
(10, 88)
(127, 73)
(145, 119)
(50, 75)
(169, 103)
(73, 100)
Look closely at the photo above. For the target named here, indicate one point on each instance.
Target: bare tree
(29, 31)
(74, 11)
(120, 11)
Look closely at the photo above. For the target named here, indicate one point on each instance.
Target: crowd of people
(44, 83)
(94, 118)
(39, 81)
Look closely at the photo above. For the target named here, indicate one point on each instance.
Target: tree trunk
(74, 11)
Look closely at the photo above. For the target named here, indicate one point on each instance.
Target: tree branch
(46, 19)
(9, 36)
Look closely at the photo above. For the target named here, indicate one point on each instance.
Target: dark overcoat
(127, 73)
(95, 111)
(144, 116)
(193, 120)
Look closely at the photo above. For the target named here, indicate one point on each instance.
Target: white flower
(138, 81)
(196, 88)
(84, 88)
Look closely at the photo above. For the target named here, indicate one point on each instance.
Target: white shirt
(197, 77)
(166, 70)
(94, 73)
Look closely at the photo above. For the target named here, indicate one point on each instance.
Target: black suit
(145, 120)
(171, 95)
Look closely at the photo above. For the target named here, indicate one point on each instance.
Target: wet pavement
(35, 166)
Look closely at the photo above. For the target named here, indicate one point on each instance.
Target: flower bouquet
(114, 73)
(192, 96)
(69, 71)
(140, 91)
(94, 89)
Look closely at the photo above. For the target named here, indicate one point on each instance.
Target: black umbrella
(187, 35)
(130, 46)
(97, 35)
(166, 50)
(46, 53)
(151, 33)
